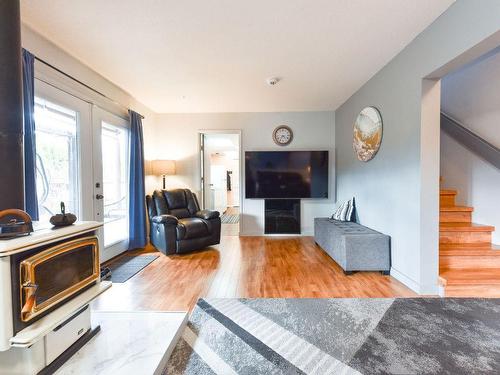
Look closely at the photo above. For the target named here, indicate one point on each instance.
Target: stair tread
(465, 227)
(456, 209)
(469, 252)
(448, 192)
(469, 246)
(470, 276)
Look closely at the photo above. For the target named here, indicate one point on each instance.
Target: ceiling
(215, 56)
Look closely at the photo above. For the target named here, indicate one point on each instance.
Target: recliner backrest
(181, 203)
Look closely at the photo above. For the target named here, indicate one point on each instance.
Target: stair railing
(471, 140)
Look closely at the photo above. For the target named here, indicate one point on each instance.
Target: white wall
(472, 96)
(394, 192)
(176, 137)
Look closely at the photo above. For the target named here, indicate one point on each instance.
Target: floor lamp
(163, 168)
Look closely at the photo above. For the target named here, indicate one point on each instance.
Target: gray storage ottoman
(353, 246)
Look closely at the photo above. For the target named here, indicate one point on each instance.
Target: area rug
(127, 266)
(340, 336)
(229, 219)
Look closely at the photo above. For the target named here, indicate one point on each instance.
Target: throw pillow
(345, 212)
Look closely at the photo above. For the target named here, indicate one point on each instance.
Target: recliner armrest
(165, 219)
(207, 214)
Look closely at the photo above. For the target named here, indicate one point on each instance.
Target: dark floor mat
(128, 265)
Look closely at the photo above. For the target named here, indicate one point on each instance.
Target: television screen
(286, 174)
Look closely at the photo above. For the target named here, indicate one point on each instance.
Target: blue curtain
(29, 135)
(137, 205)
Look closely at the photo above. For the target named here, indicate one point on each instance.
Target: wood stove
(47, 280)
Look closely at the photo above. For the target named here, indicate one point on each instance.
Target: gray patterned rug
(340, 336)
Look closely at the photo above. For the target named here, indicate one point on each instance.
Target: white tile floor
(129, 343)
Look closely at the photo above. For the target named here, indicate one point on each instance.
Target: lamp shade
(163, 167)
(148, 167)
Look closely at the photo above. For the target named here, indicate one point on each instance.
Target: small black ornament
(63, 219)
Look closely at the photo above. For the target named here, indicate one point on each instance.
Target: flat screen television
(286, 174)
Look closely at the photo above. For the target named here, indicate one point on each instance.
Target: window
(115, 182)
(56, 130)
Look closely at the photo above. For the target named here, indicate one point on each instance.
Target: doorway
(446, 223)
(220, 177)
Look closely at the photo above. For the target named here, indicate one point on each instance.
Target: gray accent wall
(176, 137)
(397, 192)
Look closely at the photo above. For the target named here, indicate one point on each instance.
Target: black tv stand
(282, 216)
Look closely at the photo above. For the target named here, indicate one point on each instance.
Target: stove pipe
(11, 108)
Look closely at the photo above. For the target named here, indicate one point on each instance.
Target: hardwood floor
(253, 267)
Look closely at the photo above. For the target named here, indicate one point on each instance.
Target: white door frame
(201, 165)
(100, 115)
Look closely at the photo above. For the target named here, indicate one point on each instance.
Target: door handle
(99, 196)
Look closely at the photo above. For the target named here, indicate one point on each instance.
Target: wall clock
(282, 135)
(367, 135)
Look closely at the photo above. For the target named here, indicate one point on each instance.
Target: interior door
(63, 133)
(111, 180)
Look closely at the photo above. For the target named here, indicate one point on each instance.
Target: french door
(82, 160)
(111, 176)
(64, 162)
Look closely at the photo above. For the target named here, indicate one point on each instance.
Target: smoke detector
(272, 81)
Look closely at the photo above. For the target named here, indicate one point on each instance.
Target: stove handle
(29, 291)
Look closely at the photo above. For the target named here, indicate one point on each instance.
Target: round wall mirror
(367, 133)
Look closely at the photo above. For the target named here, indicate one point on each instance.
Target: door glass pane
(115, 182)
(56, 130)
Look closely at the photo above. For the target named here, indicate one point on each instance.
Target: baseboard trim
(409, 282)
(250, 234)
(260, 234)
(430, 290)
(441, 291)
(413, 285)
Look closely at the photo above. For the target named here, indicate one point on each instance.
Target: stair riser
(447, 200)
(469, 261)
(485, 291)
(455, 217)
(464, 237)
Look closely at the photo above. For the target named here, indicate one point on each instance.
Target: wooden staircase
(469, 265)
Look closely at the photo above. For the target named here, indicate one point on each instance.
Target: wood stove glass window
(49, 277)
(56, 158)
(63, 271)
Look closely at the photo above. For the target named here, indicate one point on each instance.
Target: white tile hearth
(129, 343)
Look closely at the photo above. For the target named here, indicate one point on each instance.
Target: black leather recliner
(177, 225)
